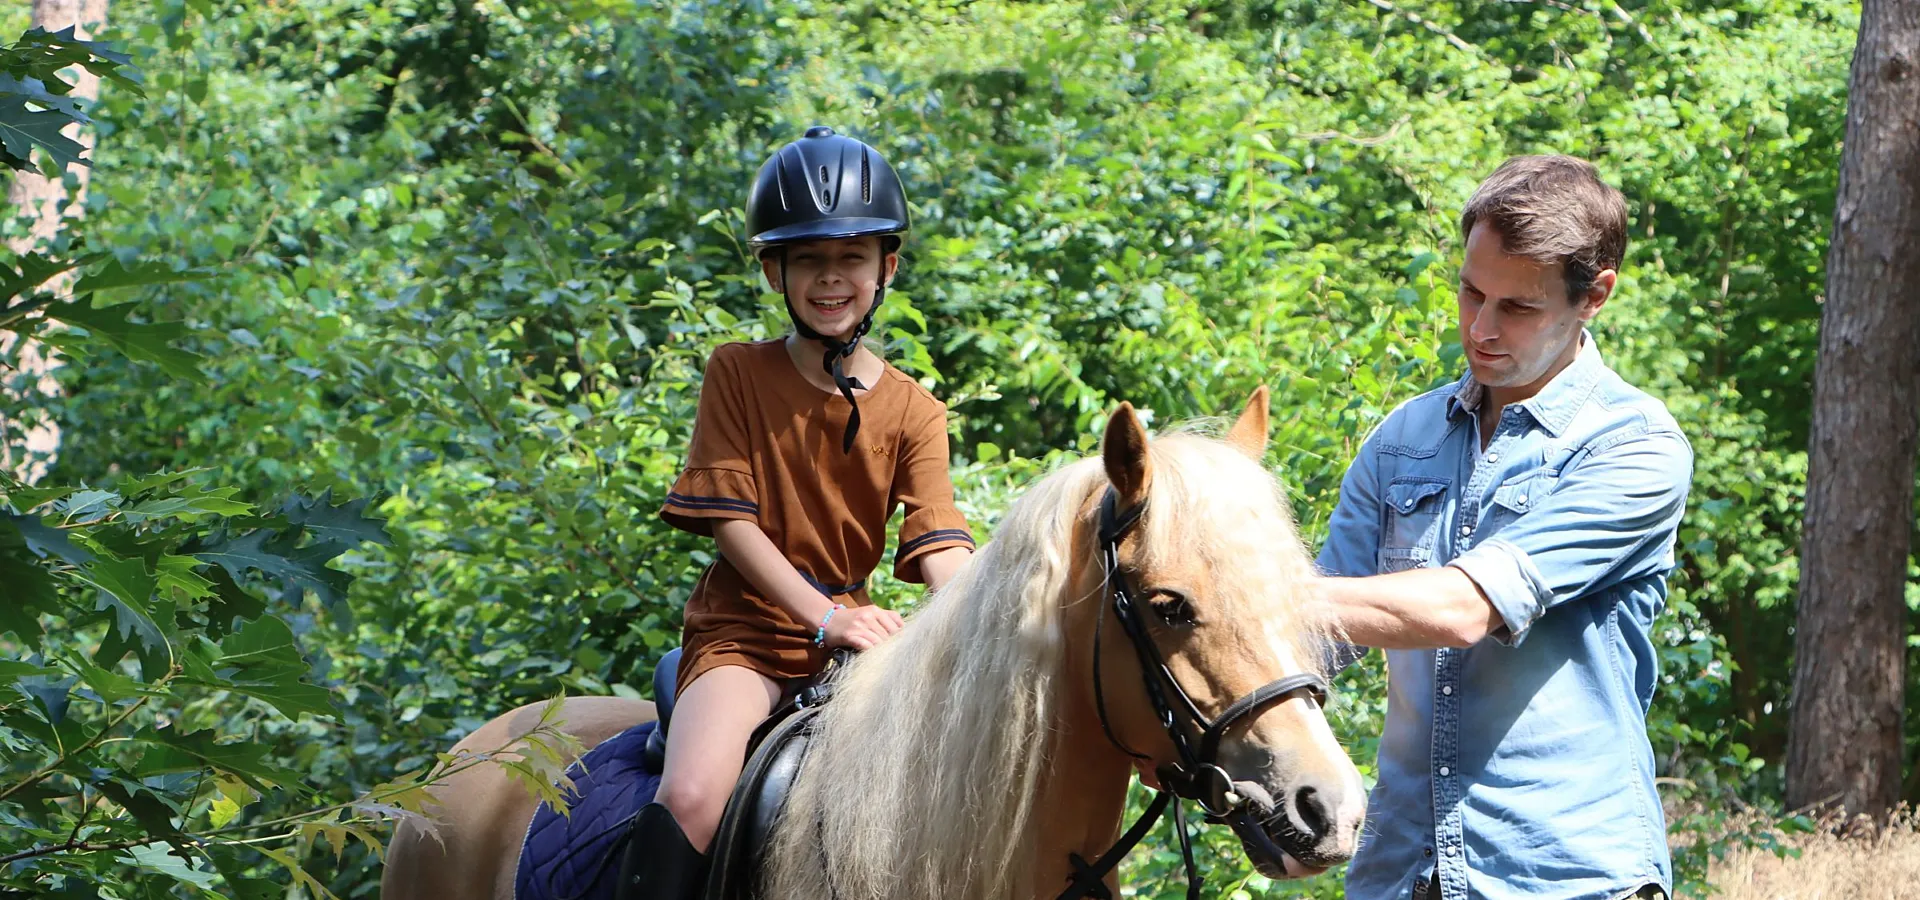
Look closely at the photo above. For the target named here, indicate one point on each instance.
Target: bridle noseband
(1195, 775)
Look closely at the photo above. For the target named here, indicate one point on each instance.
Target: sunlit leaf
(152, 342)
(160, 858)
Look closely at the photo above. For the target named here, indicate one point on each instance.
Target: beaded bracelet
(820, 637)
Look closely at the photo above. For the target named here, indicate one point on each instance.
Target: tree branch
(1622, 15)
(1428, 24)
(1375, 141)
(89, 744)
(76, 846)
(85, 811)
(444, 771)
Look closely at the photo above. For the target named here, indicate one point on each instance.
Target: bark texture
(1844, 742)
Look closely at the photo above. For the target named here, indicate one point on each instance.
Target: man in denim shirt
(1506, 540)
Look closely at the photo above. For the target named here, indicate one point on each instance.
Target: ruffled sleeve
(717, 482)
(922, 485)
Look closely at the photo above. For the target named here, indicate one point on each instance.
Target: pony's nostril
(1306, 803)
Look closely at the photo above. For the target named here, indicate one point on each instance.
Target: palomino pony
(986, 750)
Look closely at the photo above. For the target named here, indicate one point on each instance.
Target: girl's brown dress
(766, 448)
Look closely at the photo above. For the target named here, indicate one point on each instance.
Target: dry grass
(1838, 861)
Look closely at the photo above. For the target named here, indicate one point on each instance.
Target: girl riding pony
(802, 449)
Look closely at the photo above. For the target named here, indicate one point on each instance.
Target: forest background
(461, 262)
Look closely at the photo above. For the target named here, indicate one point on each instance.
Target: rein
(1195, 775)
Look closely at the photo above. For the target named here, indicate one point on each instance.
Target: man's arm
(1413, 610)
(1608, 520)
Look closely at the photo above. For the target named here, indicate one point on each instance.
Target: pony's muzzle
(1311, 813)
(1301, 826)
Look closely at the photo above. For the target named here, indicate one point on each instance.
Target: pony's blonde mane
(925, 765)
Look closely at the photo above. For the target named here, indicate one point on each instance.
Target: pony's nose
(1311, 813)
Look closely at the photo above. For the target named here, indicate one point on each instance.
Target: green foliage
(140, 657)
(467, 260)
(35, 103)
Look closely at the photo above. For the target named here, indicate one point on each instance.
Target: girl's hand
(862, 627)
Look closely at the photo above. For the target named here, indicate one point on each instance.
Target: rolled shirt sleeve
(1353, 532)
(1609, 518)
(1353, 540)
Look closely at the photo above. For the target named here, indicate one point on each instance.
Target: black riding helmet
(820, 187)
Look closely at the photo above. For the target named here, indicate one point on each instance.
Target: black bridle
(1196, 739)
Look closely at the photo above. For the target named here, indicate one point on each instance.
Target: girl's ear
(770, 270)
(892, 264)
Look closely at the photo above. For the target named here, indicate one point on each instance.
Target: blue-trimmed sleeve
(923, 486)
(1610, 518)
(718, 481)
(1352, 549)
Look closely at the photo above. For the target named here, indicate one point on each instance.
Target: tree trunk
(45, 200)
(1849, 646)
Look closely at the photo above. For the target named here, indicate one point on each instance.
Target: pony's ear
(1249, 434)
(1124, 450)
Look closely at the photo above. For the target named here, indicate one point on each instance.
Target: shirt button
(1522, 498)
(1466, 531)
(1450, 850)
(1493, 457)
(1446, 689)
(1444, 771)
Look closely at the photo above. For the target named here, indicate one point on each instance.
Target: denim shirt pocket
(1515, 496)
(1414, 505)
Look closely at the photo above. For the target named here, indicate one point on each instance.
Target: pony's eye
(1173, 608)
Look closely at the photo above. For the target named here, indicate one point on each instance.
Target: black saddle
(740, 845)
(775, 753)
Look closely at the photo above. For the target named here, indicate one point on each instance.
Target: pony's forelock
(1235, 516)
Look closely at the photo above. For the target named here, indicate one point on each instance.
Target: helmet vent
(866, 178)
(823, 174)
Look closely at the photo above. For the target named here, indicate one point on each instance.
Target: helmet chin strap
(838, 350)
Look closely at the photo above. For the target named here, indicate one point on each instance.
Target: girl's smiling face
(831, 283)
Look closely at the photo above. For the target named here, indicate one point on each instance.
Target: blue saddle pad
(567, 857)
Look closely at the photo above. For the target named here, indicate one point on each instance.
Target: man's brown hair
(1553, 209)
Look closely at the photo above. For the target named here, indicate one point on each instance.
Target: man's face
(1516, 324)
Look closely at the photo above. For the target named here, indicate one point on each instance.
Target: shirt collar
(1554, 406)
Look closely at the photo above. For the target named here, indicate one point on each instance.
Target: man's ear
(1598, 294)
